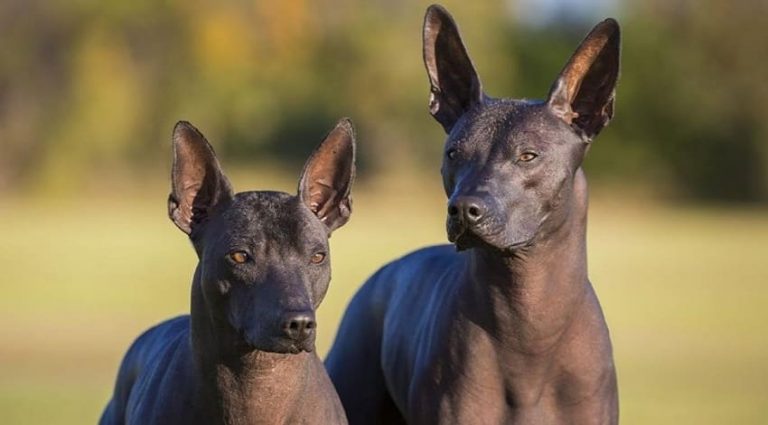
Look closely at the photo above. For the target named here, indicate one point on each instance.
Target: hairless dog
(245, 355)
(505, 328)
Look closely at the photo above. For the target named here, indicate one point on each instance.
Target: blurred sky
(539, 13)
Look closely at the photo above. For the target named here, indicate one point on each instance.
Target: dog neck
(242, 387)
(528, 299)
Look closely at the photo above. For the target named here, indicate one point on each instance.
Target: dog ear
(198, 185)
(584, 92)
(326, 180)
(454, 84)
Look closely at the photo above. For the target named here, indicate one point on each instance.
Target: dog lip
(299, 347)
(294, 348)
(519, 245)
(466, 236)
(455, 230)
(466, 240)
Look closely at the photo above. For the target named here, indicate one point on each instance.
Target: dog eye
(317, 258)
(527, 157)
(451, 154)
(239, 257)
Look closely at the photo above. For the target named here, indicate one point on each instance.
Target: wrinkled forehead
(273, 216)
(509, 120)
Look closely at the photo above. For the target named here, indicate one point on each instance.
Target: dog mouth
(460, 235)
(279, 345)
(294, 347)
(280, 348)
(466, 238)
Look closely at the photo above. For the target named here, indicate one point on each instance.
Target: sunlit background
(90, 90)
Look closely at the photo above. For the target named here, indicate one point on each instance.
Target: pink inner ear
(570, 115)
(328, 174)
(560, 103)
(582, 96)
(198, 184)
(191, 174)
(322, 198)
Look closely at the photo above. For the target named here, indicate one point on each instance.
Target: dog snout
(298, 326)
(470, 210)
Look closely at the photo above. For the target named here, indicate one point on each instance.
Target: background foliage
(88, 86)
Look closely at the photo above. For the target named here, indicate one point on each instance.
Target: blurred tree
(695, 71)
(91, 88)
(690, 100)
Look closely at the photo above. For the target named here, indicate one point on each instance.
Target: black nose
(299, 326)
(467, 208)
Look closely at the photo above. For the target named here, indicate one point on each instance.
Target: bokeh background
(89, 92)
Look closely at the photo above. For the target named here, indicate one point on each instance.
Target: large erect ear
(327, 178)
(583, 93)
(454, 84)
(198, 185)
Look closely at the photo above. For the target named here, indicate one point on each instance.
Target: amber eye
(318, 258)
(527, 157)
(239, 257)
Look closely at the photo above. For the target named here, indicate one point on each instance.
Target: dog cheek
(320, 287)
(448, 182)
(561, 192)
(530, 184)
(233, 314)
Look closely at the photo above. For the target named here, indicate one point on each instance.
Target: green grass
(685, 291)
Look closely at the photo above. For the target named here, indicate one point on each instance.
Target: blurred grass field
(684, 289)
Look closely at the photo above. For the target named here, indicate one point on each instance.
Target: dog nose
(470, 209)
(299, 326)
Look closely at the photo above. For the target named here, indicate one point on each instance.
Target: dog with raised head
(504, 327)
